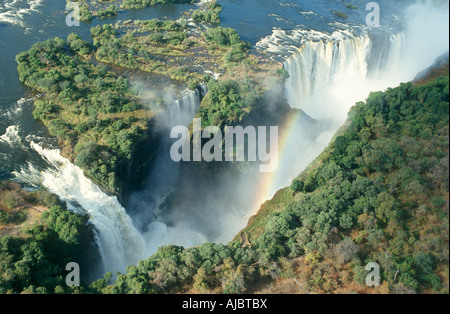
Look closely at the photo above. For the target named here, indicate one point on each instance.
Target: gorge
(206, 205)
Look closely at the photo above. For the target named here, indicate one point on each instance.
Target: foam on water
(11, 136)
(14, 11)
(119, 241)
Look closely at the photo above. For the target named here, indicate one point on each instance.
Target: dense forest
(93, 113)
(378, 193)
(38, 237)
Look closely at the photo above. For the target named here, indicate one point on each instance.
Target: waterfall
(327, 77)
(182, 111)
(317, 64)
(119, 242)
(147, 206)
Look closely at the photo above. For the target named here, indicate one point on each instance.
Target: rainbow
(269, 182)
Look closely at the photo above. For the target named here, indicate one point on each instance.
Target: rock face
(439, 67)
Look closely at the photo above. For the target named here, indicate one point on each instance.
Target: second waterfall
(327, 77)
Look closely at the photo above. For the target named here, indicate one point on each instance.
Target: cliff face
(135, 171)
(281, 199)
(438, 68)
(384, 144)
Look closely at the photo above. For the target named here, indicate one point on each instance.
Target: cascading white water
(181, 111)
(11, 135)
(146, 205)
(119, 242)
(316, 64)
(329, 73)
(327, 77)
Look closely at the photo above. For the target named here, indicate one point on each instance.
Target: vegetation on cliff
(378, 193)
(92, 112)
(38, 237)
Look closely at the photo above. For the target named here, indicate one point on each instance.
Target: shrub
(9, 199)
(346, 250)
(4, 217)
(297, 185)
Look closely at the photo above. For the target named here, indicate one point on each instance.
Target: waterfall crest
(327, 77)
(182, 111)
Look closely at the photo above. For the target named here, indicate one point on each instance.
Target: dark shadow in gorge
(208, 200)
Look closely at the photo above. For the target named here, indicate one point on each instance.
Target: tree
(107, 12)
(278, 224)
(77, 45)
(297, 185)
(4, 217)
(85, 13)
(222, 36)
(346, 250)
(201, 280)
